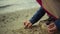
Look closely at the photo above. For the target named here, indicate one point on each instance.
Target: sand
(12, 22)
(40, 28)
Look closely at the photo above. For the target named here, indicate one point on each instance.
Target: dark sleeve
(37, 15)
(57, 23)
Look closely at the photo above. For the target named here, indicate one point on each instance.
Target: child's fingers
(52, 30)
(30, 25)
(51, 25)
(25, 24)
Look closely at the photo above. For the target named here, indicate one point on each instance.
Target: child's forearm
(37, 15)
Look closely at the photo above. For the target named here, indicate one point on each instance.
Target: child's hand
(52, 28)
(27, 24)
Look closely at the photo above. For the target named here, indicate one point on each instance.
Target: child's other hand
(52, 28)
(27, 24)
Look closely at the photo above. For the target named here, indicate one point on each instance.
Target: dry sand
(12, 23)
(40, 28)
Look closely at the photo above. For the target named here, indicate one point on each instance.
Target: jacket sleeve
(37, 15)
(57, 23)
